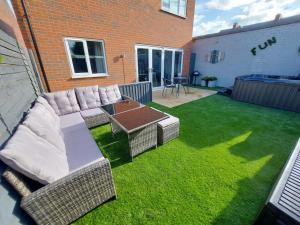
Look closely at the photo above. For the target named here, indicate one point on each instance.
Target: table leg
(114, 127)
(142, 140)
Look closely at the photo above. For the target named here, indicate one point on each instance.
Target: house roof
(252, 27)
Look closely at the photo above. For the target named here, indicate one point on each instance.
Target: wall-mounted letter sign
(266, 44)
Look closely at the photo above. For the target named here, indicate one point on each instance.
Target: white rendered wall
(282, 58)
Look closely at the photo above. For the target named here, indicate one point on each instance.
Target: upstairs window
(86, 57)
(177, 7)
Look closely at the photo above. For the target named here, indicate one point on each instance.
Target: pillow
(63, 102)
(110, 94)
(45, 103)
(34, 157)
(51, 115)
(88, 97)
(40, 122)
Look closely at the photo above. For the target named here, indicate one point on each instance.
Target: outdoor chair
(168, 84)
(185, 85)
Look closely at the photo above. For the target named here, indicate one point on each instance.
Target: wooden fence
(18, 85)
(141, 92)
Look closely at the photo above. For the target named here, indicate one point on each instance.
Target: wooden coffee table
(138, 121)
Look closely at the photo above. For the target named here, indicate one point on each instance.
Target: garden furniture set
(139, 122)
(54, 162)
(178, 81)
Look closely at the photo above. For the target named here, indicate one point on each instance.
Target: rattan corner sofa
(54, 163)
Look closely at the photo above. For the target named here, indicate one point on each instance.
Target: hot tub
(282, 92)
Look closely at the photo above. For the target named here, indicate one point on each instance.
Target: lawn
(219, 171)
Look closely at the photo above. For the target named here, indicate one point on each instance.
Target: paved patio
(171, 100)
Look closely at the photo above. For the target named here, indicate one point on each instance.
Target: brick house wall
(8, 23)
(120, 23)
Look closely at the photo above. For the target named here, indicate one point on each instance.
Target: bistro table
(180, 81)
(138, 121)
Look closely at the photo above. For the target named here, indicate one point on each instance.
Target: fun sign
(266, 44)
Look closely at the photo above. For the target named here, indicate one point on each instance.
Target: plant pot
(212, 83)
(203, 83)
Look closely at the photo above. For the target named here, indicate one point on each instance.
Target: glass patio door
(155, 63)
(177, 63)
(168, 65)
(143, 64)
(156, 71)
(149, 65)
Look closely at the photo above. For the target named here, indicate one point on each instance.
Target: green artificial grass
(219, 171)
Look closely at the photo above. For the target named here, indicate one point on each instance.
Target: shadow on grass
(252, 191)
(113, 147)
(217, 119)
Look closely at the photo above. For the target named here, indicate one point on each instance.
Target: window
(177, 7)
(87, 57)
(215, 56)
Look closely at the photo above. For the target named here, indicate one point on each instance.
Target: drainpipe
(35, 45)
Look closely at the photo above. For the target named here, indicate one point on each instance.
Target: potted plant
(212, 81)
(204, 81)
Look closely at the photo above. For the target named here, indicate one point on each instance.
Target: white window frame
(87, 58)
(172, 12)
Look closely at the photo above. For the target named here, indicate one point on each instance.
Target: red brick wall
(120, 23)
(8, 22)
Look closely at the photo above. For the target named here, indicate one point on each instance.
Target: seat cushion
(88, 97)
(168, 121)
(71, 121)
(81, 148)
(38, 121)
(34, 157)
(63, 102)
(110, 94)
(91, 112)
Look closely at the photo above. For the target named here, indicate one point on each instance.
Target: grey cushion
(91, 112)
(81, 148)
(45, 103)
(110, 94)
(63, 102)
(34, 157)
(169, 121)
(88, 97)
(39, 121)
(48, 112)
(71, 121)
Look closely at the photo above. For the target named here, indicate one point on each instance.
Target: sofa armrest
(68, 198)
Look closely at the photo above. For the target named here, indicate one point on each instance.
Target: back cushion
(34, 157)
(88, 97)
(110, 94)
(38, 121)
(50, 114)
(63, 102)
